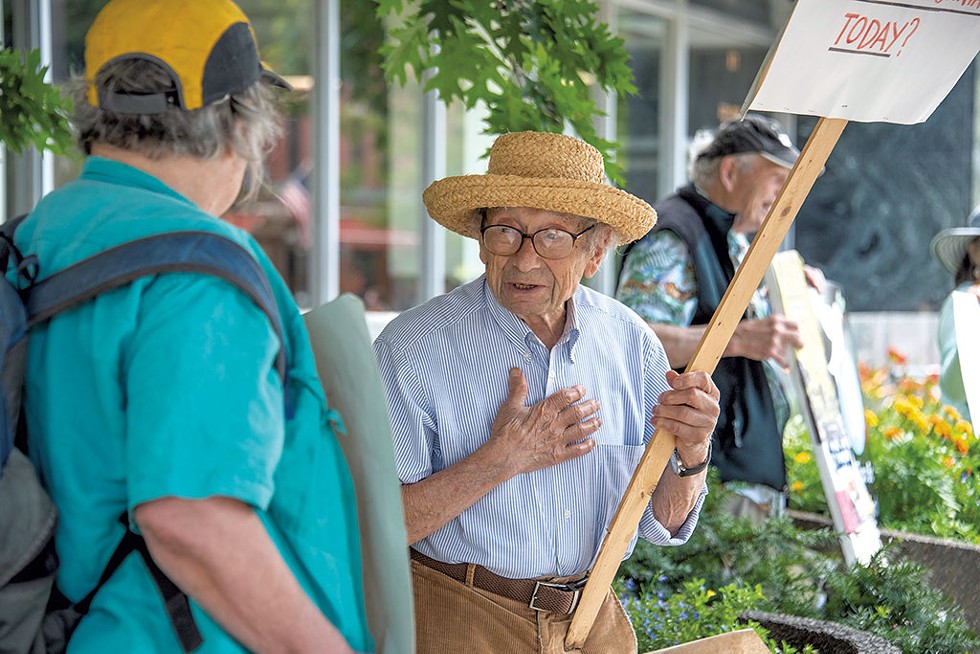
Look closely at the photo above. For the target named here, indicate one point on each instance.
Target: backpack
(34, 616)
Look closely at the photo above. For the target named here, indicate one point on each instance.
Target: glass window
(638, 116)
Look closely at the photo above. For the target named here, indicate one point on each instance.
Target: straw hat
(542, 171)
(949, 245)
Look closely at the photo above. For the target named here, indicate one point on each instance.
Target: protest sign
(349, 375)
(869, 60)
(851, 506)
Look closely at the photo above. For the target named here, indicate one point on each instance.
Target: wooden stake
(713, 343)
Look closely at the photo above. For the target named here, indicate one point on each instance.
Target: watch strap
(681, 471)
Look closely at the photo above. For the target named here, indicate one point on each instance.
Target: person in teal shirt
(958, 250)
(160, 400)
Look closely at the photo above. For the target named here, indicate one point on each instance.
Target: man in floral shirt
(675, 278)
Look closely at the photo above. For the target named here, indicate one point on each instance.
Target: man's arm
(233, 570)
(689, 411)
(763, 339)
(522, 439)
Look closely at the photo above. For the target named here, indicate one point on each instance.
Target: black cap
(753, 133)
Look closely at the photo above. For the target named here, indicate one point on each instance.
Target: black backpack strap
(175, 601)
(187, 251)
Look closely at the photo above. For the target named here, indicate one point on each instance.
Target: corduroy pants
(453, 617)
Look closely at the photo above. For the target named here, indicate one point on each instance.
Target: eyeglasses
(549, 243)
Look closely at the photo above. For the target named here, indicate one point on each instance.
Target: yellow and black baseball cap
(207, 46)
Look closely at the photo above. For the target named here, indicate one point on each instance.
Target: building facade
(343, 211)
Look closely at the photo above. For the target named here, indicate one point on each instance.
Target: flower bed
(925, 458)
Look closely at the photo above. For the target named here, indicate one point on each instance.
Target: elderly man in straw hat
(521, 403)
(958, 250)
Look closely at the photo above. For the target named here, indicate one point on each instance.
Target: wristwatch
(681, 471)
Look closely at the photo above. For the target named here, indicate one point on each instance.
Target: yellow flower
(796, 486)
(962, 445)
(802, 457)
(951, 413)
(964, 427)
(948, 462)
(710, 593)
(916, 401)
(942, 428)
(871, 418)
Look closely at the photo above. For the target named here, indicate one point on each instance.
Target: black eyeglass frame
(575, 237)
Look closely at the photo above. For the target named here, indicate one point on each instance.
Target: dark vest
(748, 444)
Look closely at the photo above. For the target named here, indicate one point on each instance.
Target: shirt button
(527, 356)
(567, 514)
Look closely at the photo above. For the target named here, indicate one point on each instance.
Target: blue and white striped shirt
(445, 366)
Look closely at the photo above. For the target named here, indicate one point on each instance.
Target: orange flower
(948, 462)
(942, 428)
(897, 357)
(802, 457)
(964, 427)
(962, 445)
(891, 433)
(796, 486)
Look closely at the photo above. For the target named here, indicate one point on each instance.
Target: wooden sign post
(864, 60)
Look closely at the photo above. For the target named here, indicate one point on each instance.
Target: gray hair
(703, 171)
(246, 122)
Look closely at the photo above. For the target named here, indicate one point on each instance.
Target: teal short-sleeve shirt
(167, 387)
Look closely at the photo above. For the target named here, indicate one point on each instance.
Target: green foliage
(32, 111)
(890, 598)
(802, 573)
(663, 618)
(526, 60)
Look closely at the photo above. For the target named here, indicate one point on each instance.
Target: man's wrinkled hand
(545, 434)
(689, 411)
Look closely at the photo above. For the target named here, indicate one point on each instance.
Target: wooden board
(743, 641)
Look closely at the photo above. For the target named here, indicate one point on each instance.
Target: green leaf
(32, 111)
(525, 60)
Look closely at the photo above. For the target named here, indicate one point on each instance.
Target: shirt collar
(116, 172)
(517, 331)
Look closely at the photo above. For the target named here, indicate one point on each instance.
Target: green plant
(891, 598)
(802, 573)
(664, 618)
(531, 62)
(32, 111)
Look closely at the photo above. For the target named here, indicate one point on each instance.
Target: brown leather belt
(539, 595)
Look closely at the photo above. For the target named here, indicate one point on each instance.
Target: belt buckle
(573, 587)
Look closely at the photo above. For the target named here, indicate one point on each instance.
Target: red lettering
(859, 26)
(871, 34)
(849, 18)
(897, 33)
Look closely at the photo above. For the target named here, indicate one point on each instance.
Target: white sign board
(868, 60)
(966, 322)
(850, 503)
